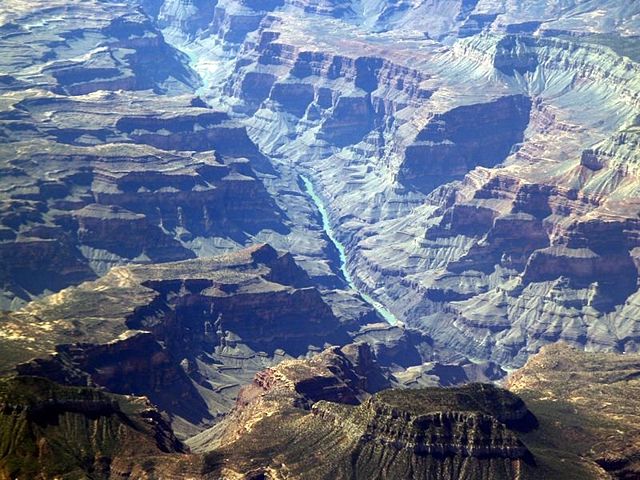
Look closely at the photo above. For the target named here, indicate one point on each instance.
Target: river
(326, 225)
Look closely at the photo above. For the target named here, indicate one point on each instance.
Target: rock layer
(189, 334)
(451, 433)
(50, 431)
(480, 176)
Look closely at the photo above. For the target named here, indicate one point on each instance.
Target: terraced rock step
(475, 159)
(333, 416)
(327, 409)
(551, 424)
(470, 175)
(189, 334)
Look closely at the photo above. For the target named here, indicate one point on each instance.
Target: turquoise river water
(326, 225)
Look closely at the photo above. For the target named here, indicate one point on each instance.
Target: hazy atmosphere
(319, 239)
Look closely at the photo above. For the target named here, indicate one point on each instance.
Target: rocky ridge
(471, 171)
(111, 158)
(476, 431)
(473, 166)
(175, 327)
(567, 414)
(189, 334)
(300, 396)
(50, 431)
(333, 416)
(380, 440)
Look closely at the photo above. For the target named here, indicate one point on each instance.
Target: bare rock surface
(476, 158)
(189, 334)
(185, 334)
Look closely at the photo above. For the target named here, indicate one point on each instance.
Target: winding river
(326, 225)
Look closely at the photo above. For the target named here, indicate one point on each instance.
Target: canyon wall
(477, 159)
(477, 162)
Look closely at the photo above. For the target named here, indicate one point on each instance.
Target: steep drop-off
(475, 158)
(188, 334)
(49, 431)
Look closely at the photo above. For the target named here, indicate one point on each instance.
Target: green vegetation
(52, 431)
(588, 409)
(481, 398)
(561, 440)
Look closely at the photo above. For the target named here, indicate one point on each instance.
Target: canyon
(477, 173)
(257, 237)
(471, 175)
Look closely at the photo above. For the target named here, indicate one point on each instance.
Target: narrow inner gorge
(326, 225)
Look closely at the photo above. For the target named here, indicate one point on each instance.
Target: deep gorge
(257, 239)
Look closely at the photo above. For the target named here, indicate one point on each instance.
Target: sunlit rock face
(469, 432)
(188, 335)
(477, 158)
(184, 334)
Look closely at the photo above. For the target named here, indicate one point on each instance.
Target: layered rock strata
(189, 334)
(481, 176)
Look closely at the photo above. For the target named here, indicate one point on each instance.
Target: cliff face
(333, 416)
(402, 440)
(109, 157)
(186, 334)
(430, 433)
(475, 158)
(453, 143)
(51, 431)
(138, 365)
(345, 375)
(567, 414)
